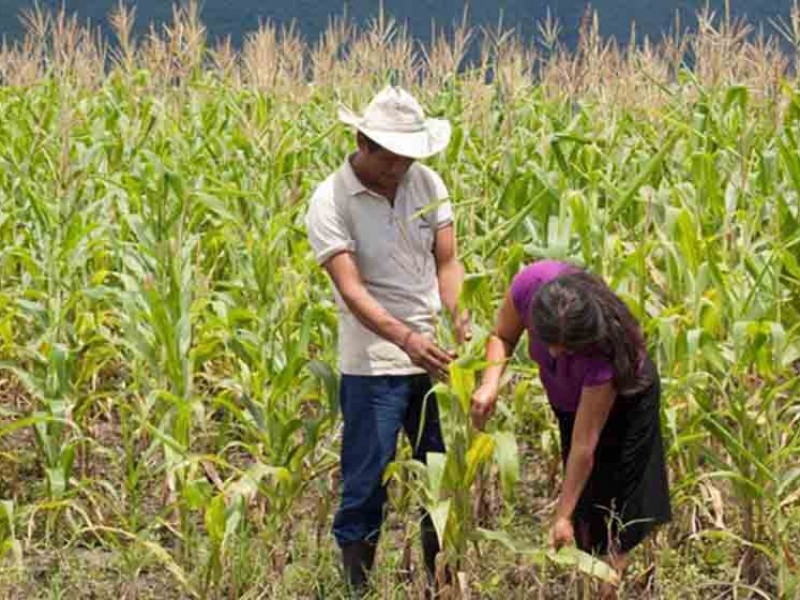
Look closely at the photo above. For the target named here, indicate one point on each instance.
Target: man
(382, 227)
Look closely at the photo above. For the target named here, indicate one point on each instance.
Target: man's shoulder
(324, 193)
(423, 171)
(430, 181)
(324, 189)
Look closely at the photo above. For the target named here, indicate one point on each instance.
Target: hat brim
(430, 140)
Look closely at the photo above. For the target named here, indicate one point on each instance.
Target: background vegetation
(168, 410)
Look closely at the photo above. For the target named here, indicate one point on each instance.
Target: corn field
(168, 396)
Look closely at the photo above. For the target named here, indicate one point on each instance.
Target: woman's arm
(500, 346)
(595, 405)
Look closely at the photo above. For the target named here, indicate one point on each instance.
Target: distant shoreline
(311, 17)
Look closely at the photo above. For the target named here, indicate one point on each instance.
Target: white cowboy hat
(395, 120)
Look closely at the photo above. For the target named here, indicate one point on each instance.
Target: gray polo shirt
(393, 248)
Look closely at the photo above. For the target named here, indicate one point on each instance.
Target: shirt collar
(352, 183)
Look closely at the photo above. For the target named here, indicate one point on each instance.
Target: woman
(605, 393)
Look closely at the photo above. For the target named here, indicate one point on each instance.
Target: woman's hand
(484, 400)
(562, 533)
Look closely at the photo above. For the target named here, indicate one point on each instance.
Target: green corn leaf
(506, 456)
(480, 451)
(440, 515)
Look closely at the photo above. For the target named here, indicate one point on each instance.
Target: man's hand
(484, 400)
(424, 353)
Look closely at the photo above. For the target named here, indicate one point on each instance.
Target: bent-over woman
(604, 391)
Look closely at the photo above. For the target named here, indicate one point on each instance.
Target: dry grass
(276, 59)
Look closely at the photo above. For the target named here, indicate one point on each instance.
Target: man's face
(382, 167)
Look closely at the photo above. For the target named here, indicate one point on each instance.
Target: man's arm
(450, 274)
(422, 351)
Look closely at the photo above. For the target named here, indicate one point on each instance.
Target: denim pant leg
(424, 432)
(421, 423)
(373, 410)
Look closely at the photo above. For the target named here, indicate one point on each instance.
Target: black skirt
(627, 493)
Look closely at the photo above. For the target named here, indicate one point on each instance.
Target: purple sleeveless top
(565, 377)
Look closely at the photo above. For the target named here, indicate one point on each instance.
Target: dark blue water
(237, 17)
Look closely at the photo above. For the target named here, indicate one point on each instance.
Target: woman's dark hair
(580, 312)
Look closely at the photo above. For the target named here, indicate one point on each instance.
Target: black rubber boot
(357, 559)
(430, 548)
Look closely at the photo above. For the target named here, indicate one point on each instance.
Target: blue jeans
(373, 409)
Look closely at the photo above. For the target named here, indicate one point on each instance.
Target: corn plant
(445, 484)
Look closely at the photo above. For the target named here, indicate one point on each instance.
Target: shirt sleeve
(523, 287)
(598, 372)
(328, 232)
(441, 196)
